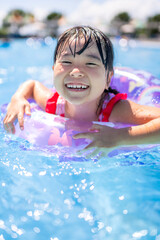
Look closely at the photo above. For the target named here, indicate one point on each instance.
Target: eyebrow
(93, 56)
(66, 55)
(87, 55)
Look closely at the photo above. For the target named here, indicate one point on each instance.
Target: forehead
(78, 46)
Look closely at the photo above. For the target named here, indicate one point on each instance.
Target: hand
(103, 137)
(16, 109)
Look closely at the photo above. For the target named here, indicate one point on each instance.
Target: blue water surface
(55, 197)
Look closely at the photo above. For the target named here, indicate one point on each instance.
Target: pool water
(54, 197)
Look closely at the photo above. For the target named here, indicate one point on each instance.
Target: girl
(83, 67)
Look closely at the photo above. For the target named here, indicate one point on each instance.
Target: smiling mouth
(76, 87)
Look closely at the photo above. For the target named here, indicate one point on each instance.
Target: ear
(110, 75)
(53, 67)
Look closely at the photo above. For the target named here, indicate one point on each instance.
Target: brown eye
(66, 62)
(91, 64)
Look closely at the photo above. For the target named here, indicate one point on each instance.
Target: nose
(76, 73)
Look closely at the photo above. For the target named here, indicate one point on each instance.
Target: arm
(19, 104)
(147, 130)
(146, 118)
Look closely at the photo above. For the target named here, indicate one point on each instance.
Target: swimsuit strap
(106, 112)
(52, 104)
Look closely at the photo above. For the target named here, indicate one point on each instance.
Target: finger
(21, 120)
(95, 154)
(8, 123)
(98, 153)
(104, 154)
(5, 124)
(91, 145)
(9, 118)
(84, 152)
(4, 120)
(96, 127)
(27, 110)
(9, 127)
(84, 135)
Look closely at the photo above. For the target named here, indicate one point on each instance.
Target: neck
(83, 112)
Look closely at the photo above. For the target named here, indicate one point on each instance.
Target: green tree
(54, 16)
(153, 25)
(155, 18)
(123, 16)
(16, 12)
(17, 16)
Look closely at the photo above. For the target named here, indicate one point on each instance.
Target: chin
(75, 102)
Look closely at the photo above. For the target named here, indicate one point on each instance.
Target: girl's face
(80, 79)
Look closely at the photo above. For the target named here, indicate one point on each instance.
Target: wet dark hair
(89, 34)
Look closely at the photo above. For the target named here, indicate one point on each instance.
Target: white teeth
(76, 86)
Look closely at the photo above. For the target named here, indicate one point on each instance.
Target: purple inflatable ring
(43, 129)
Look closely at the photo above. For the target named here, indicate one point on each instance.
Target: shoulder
(127, 111)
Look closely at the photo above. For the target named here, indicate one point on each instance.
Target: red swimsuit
(55, 105)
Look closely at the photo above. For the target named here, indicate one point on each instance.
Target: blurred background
(39, 18)
(29, 31)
